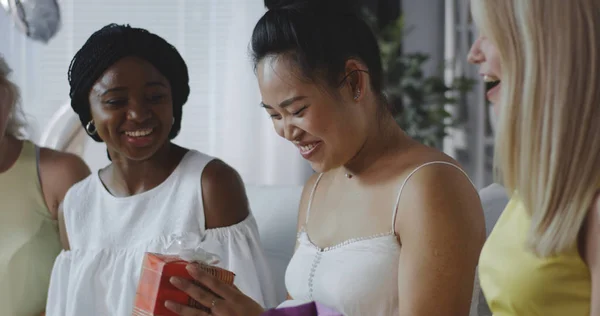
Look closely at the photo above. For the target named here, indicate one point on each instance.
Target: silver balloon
(4, 4)
(38, 19)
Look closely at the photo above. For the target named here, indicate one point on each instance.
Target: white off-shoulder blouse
(109, 235)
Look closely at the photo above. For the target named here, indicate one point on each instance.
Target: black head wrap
(114, 42)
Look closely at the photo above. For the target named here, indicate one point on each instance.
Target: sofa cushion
(276, 211)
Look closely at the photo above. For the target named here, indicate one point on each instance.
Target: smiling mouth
(139, 132)
(309, 147)
(490, 82)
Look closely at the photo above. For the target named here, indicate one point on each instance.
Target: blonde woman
(542, 57)
(33, 182)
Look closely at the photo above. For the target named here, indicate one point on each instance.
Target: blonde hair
(16, 119)
(547, 151)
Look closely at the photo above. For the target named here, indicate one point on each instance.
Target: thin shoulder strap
(395, 211)
(37, 160)
(310, 199)
(37, 164)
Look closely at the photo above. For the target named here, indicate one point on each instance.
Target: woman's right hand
(228, 301)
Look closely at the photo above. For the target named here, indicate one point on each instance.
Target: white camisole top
(356, 277)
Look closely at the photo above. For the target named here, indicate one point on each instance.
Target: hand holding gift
(222, 298)
(155, 288)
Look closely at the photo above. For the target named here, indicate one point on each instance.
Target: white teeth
(489, 78)
(307, 147)
(139, 133)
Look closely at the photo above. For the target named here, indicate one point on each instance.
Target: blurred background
(439, 97)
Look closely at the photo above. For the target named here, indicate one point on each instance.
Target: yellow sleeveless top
(29, 239)
(516, 282)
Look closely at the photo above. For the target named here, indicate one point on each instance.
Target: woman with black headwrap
(128, 87)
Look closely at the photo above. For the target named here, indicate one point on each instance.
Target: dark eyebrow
(285, 103)
(118, 89)
(155, 83)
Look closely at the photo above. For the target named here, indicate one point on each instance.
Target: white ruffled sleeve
(240, 251)
(59, 285)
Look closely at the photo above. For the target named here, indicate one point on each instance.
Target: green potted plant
(420, 102)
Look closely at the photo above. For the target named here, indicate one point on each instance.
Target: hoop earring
(90, 128)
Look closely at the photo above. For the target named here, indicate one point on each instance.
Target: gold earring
(90, 128)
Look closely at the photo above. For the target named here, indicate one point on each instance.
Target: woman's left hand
(229, 302)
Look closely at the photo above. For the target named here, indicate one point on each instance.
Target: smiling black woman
(128, 87)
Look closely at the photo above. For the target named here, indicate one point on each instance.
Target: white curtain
(222, 117)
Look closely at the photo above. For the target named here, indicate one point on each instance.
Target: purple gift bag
(310, 309)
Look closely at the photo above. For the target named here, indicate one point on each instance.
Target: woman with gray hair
(33, 182)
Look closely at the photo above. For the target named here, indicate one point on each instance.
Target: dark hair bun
(319, 37)
(278, 4)
(316, 6)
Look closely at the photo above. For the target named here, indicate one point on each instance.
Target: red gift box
(154, 287)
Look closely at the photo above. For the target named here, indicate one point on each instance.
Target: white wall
(424, 31)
